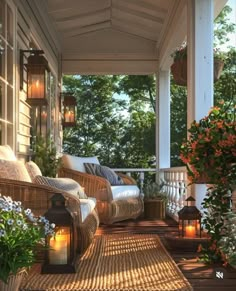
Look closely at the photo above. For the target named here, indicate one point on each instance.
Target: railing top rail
(134, 169)
(174, 169)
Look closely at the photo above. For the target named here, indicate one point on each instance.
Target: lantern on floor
(60, 254)
(70, 106)
(37, 75)
(189, 220)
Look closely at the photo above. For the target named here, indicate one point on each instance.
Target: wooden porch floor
(200, 276)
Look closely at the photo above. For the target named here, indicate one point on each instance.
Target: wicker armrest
(127, 179)
(37, 197)
(94, 186)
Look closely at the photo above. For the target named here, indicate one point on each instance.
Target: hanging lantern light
(37, 70)
(70, 106)
(60, 254)
(189, 221)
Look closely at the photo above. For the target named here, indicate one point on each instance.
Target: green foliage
(141, 89)
(222, 27)
(210, 148)
(155, 191)
(20, 233)
(118, 139)
(216, 205)
(178, 121)
(227, 242)
(99, 116)
(45, 156)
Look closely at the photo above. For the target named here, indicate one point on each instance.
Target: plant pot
(14, 281)
(218, 67)
(154, 209)
(179, 71)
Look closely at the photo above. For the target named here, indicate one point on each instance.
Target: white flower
(10, 221)
(2, 232)
(27, 211)
(19, 222)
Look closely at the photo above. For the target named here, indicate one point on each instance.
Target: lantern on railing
(37, 72)
(189, 221)
(70, 106)
(60, 254)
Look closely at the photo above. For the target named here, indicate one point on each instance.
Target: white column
(200, 67)
(163, 117)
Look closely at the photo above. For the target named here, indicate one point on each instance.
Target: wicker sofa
(15, 182)
(114, 203)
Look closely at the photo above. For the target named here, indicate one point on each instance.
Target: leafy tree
(140, 88)
(99, 116)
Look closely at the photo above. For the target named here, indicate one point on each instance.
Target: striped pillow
(64, 184)
(33, 170)
(104, 172)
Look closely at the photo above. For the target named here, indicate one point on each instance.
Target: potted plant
(155, 199)
(210, 157)
(227, 243)
(179, 66)
(209, 152)
(45, 156)
(20, 234)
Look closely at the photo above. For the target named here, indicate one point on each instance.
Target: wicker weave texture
(109, 211)
(117, 262)
(37, 198)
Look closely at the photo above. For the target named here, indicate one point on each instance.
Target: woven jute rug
(117, 262)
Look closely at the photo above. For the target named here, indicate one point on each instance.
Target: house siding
(33, 26)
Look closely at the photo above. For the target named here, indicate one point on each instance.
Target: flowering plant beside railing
(210, 151)
(210, 157)
(20, 233)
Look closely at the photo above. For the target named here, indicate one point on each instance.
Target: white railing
(176, 188)
(175, 185)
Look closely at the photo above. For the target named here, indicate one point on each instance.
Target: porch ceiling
(117, 36)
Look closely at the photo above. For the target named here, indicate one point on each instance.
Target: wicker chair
(109, 209)
(37, 198)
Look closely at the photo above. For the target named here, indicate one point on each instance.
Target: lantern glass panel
(69, 113)
(190, 228)
(59, 252)
(36, 84)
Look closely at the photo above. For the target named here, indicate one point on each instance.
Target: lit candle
(58, 251)
(190, 231)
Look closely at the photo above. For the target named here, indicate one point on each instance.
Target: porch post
(163, 120)
(200, 68)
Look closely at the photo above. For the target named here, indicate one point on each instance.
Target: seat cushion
(14, 170)
(6, 153)
(33, 170)
(77, 163)
(63, 184)
(87, 206)
(125, 192)
(105, 172)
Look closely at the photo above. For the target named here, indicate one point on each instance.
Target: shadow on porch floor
(200, 276)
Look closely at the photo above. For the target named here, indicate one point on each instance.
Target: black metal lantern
(60, 254)
(189, 221)
(37, 75)
(70, 106)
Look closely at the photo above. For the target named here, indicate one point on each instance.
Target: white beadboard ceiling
(116, 36)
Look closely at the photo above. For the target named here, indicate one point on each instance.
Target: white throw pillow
(77, 163)
(6, 153)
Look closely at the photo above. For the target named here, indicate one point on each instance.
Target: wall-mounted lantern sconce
(37, 68)
(70, 107)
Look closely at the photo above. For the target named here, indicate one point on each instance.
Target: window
(6, 74)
